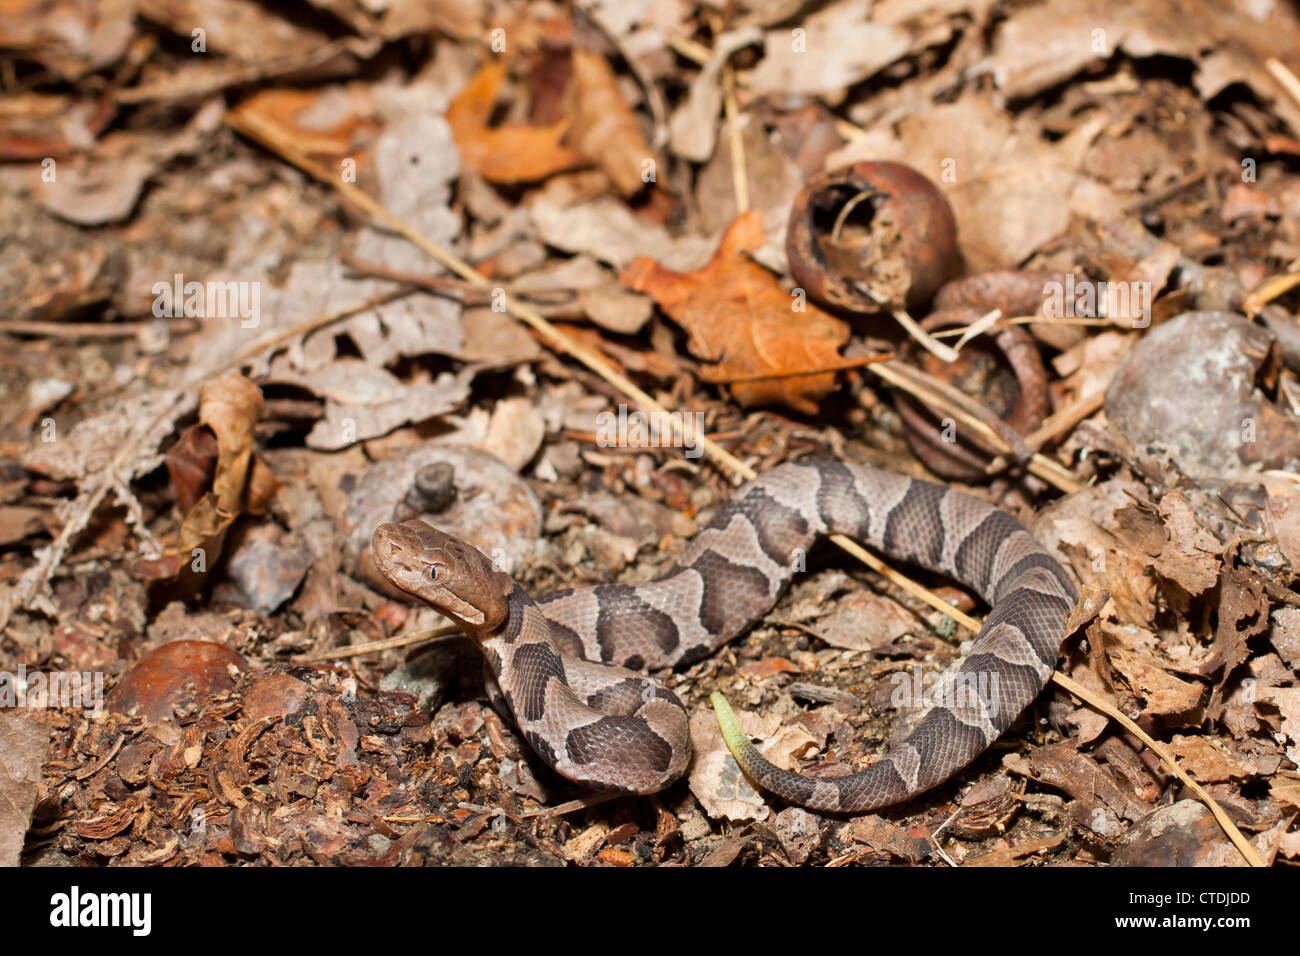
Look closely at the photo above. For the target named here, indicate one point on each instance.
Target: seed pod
(881, 227)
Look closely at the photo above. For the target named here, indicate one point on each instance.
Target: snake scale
(571, 664)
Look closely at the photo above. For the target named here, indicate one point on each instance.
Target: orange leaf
(769, 666)
(286, 108)
(738, 315)
(512, 153)
(616, 857)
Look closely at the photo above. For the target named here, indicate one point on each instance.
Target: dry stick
(1092, 700)
(1038, 464)
(945, 352)
(1285, 78)
(275, 141)
(739, 173)
(1003, 322)
(927, 384)
(299, 329)
(691, 49)
(1058, 423)
(581, 803)
(1269, 289)
(374, 647)
(591, 438)
(73, 330)
(439, 285)
(1154, 199)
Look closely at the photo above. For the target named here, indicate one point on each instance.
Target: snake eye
(433, 572)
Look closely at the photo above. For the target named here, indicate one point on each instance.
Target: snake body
(570, 664)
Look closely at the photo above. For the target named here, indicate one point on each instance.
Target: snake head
(451, 576)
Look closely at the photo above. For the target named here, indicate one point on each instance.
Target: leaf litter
(626, 173)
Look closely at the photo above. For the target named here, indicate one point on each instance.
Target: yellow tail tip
(736, 739)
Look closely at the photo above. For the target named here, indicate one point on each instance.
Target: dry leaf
(1163, 694)
(18, 521)
(890, 839)
(1241, 614)
(363, 402)
(415, 164)
(515, 432)
(23, 741)
(774, 180)
(70, 39)
(694, 125)
(298, 113)
(716, 779)
(1287, 701)
(1045, 44)
(230, 406)
(512, 153)
(738, 315)
(604, 126)
(242, 29)
(1192, 555)
(190, 465)
(607, 230)
(841, 45)
(104, 186)
(1206, 759)
(863, 621)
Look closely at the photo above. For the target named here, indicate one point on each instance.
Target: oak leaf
(739, 316)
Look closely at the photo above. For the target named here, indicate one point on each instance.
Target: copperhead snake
(571, 664)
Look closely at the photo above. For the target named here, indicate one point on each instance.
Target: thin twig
(739, 173)
(79, 330)
(582, 803)
(374, 647)
(1097, 703)
(1285, 78)
(958, 330)
(591, 438)
(927, 341)
(1037, 464)
(1058, 423)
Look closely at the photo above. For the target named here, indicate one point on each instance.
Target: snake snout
(391, 541)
